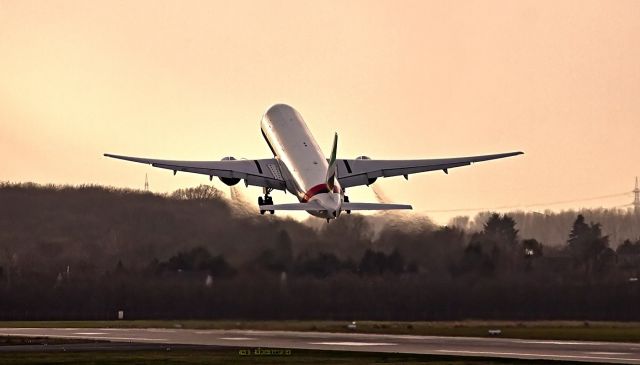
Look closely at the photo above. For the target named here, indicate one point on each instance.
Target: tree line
(86, 252)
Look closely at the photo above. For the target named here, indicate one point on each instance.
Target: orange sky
(559, 80)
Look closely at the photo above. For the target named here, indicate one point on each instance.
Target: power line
(523, 206)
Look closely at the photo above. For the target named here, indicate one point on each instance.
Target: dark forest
(86, 252)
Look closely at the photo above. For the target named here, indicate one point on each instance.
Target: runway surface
(602, 352)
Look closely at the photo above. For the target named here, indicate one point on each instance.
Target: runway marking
(85, 336)
(237, 338)
(121, 338)
(608, 353)
(90, 333)
(538, 355)
(160, 330)
(545, 342)
(347, 343)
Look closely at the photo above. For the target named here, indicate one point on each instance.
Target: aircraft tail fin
(331, 171)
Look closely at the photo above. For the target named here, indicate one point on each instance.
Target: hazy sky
(559, 80)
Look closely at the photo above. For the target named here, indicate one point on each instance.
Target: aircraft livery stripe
(318, 189)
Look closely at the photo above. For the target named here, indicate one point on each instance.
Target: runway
(602, 352)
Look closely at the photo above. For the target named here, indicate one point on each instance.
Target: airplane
(299, 167)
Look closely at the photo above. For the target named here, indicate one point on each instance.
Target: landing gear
(346, 200)
(267, 200)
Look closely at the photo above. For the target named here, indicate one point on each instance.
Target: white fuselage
(302, 163)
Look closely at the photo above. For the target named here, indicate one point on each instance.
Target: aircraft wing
(362, 171)
(264, 172)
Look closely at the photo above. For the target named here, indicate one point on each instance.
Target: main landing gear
(346, 200)
(267, 200)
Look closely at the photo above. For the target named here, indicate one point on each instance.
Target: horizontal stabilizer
(312, 205)
(374, 206)
(292, 206)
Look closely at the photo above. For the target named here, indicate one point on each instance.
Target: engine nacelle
(227, 180)
(372, 180)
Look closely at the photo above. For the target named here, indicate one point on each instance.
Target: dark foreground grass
(228, 356)
(44, 341)
(539, 330)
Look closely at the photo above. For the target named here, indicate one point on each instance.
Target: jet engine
(372, 180)
(227, 180)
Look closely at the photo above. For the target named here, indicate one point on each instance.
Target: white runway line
(90, 333)
(120, 338)
(237, 338)
(525, 354)
(97, 337)
(160, 330)
(608, 353)
(353, 343)
(567, 343)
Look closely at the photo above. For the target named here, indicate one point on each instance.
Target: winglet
(331, 171)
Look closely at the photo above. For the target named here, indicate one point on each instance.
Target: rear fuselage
(302, 163)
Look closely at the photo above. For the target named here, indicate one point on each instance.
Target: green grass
(225, 356)
(17, 341)
(557, 330)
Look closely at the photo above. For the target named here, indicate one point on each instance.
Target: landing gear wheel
(269, 201)
(346, 200)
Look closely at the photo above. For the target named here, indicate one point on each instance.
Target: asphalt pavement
(601, 352)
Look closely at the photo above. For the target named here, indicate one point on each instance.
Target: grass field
(45, 341)
(224, 356)
(557, 330)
